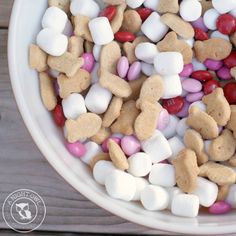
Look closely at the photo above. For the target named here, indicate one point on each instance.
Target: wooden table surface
(23, 166)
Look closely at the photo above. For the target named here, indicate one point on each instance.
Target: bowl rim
(64, 170)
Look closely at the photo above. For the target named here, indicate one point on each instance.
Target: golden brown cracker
(232, 161)
(232, 122)
(101, 135)
(62, 4)
(114, 2)
(206, 5)
(132, 21)
(171, 6)
(99, 157)
(76, 46)
(88, 46)
(233, 39)
(233, 72)
(222, 192)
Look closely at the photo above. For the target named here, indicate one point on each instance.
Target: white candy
(186, 205)
(190, 10)
(198, 104)
(68, 30)
(224, 6)
(207, 192)
(94, 73)
(92, 150)
(120, 185)
(197, 65)
(162, 175)
(172, 192)
(73, 106)
(101, 30)
(87, 8)
(217, 34)
(147, 69)
(172, 86)
(140, 164)
(169, 63)
(231, 198)
(176, 146)
(134, 4)
(101, 170)
(98, 99)
(152, 4)
(146, 52)
(97, 51)
(210, 17)
(154, 198)
(182, 127)
(153, 28)
(140, 183)
(157, 147)
(55, 18)
(52, 42)
(190, 41)
(170, 130)
(233, 12)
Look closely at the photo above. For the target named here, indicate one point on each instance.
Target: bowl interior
(25, 24)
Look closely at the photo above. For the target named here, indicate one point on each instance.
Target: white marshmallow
(120, 185)
(54, 18)
(68, 30)
(73, 106)
(147, 69)
(207, 192)
(152, 4)
(134, 4)
(190, 10)
(172, 86)
(97, 51)
(157, 147)
(170, 130)
(87, 8)
(182, 127)
(154, 198)
(101, 30)
(207, 145)
(197, 65)
(146, 52)
(162, 175)
(92, 150)
(233, 12)
(210, 17)
(52, 42)
(94, 73)
(231, 198)
(169, 63)
(190, 41)
(140, 164)
(176, 146)
(172, 192)
(98, 99)
(186, 205)
(217, 34)
(224, 6)
(153, 28)
(140, 183)
(101, 170)
(198, 104)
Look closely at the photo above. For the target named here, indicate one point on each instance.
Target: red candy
(144, 13)
(58, 116)
(230, 61)
(202, 75)
(230, 92)
(108, 12)
(200, 34)
(124, 36)
(226, 24)
(173, 105)
(210, 86)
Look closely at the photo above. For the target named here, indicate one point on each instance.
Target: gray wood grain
(5, 9)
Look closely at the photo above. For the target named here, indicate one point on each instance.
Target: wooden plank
(5, 10)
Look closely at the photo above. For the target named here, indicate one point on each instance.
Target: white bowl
(25, 23)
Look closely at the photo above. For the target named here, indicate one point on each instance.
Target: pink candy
(76, 149)
(134, 71)
(187, 71)
(219, 208)
(105, 143)
(199, 23)
(184, 111)
(193, 97)
(192, 85)
(123, 67)
(130, 145)
(163, 120)
(88, 62)
(224, 73)
(213, 64)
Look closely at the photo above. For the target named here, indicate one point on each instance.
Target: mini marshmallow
(134, 4)
(231, 198)
(92, 150)
(172, 192)
(146, 52)
(101, 30)
(162, 175)
(207, 192)
(176, 146)
(172, 86)
(55, 19)
(153, 28)
(52, 42)
(154, 198)
(170, 130)
(98, 99)
(140, 164)
(152, 4)
(87, 8)
(224, 6)
(120, 185)
(197, 65)
(147, 69)
(157, 147)
(210, 17)
(186, 205)
(190, 42)
(94, 73)
(140, 183)
(182, 127)
(217, 34)
(190, 10)
(198, 104)
(169, 63)
(101, 170)
(97, 51)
